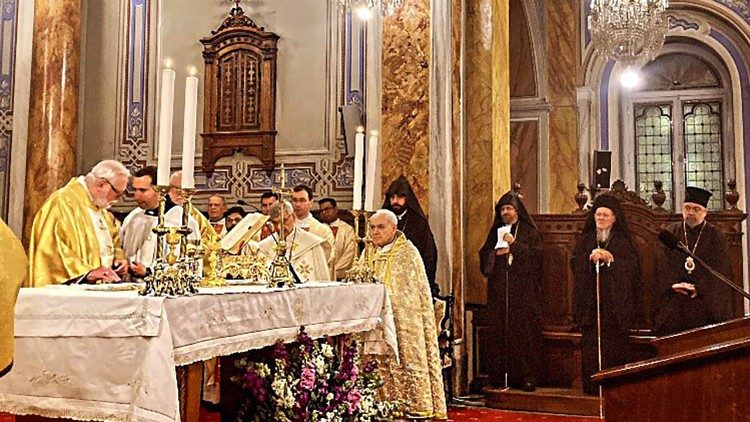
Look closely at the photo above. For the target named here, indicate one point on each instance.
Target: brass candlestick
(362, 271)
(187, 206)
(173, 274)
(153, 280)
(281, 274)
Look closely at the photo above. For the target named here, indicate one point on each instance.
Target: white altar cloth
(111, 355)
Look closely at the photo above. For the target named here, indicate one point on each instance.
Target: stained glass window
(703, 154)
(653, 136)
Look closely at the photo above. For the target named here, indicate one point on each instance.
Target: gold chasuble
(416, 378)
(13, 264)
(64, 243)
(208, 234)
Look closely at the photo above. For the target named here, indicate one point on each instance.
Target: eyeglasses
(119, 193)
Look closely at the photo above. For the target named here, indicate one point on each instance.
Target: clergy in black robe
(513, 272)
(605, 240)
(687, 295)
(412, 221)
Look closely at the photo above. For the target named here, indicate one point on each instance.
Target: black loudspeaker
(602, 168)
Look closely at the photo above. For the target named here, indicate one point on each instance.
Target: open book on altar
(245, 230)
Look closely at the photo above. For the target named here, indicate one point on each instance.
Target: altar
(96, 352)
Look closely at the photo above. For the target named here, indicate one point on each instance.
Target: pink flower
(353, 398)
(307, 380)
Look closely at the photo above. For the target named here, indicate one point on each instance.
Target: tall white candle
(372, 160)
(166, 108)
(359, 157)
(188, 134)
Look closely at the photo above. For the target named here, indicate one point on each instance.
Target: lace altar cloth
(98, 353)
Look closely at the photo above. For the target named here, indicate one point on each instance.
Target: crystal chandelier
(629, 31)
(386, 7)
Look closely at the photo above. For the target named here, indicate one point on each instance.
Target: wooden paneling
(699, 375)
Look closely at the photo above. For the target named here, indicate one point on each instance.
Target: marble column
(405, 119)
(500, 98)
(53, 104)
(460, 378)
(487, 125)
(563, 70)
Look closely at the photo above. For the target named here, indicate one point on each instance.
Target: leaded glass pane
(653, 137)
(704, 164)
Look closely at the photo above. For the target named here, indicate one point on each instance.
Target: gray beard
(603, 235)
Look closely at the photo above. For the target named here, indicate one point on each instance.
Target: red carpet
(455, 414)
(461, 414)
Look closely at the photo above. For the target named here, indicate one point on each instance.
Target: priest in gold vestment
(74, 237)
(13, 263)
(415, 376)
(305, 251)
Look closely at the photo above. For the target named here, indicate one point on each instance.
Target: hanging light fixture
(629, 31)
(386, 7)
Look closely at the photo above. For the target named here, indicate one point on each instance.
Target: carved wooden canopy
(239, 91)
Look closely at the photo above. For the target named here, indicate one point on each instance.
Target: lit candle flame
(193, 71)
(168, 63)
(360, 129)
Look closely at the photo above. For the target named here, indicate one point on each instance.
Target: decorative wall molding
(328, 171)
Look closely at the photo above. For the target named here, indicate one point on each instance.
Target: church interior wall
(133, 38)
(723, 28)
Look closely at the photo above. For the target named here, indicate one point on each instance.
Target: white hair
(176, 177)
(274, 211)
(388, 214)
(108, 170)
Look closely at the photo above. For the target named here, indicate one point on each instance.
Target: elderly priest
(74, 238)
(413, 376)
(306, 251)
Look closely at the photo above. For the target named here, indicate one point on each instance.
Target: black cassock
(523, 279)
(617, 283)
(675, 312)
(416, 228)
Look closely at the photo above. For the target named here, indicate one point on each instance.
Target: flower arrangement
(311, 380)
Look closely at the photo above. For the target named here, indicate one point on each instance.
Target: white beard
(602, 235)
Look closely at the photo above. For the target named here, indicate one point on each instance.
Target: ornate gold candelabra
(174, 272)
(362, 270)
(281, 275)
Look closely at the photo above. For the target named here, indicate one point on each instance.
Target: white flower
(263, 370)
(327, 350)
(329, 397)
(321, 367)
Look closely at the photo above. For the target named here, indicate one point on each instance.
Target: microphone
(669, 239)
(244, 203)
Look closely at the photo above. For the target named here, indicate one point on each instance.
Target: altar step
(546, 400)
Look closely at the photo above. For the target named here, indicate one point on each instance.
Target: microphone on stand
(672, 242)
(245, 204)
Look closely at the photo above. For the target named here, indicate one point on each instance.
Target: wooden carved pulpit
(239, 91)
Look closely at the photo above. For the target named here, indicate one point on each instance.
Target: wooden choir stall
(726, 345)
